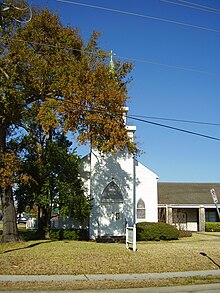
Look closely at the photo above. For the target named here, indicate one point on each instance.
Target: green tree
(46, 63)
(53, 176)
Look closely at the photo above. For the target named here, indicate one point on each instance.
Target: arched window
(140, 209)
(112, 193)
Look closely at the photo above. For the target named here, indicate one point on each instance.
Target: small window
(211, 216)
(140, 209)
(117, 216)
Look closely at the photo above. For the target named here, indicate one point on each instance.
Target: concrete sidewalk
(68, 278)
(205, 288)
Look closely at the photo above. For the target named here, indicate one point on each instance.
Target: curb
(67, 278)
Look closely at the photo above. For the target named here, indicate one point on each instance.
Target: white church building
(123, 191)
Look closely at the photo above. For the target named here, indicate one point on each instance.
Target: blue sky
(164, 91)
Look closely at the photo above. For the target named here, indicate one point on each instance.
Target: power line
(175, 128)
(193, 6)
(175, 120)
(134, 117)
(126, 58)
(169, 66)
(104, 110)
(199, 5)
(140, 15)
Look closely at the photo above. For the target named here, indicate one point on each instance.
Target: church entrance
(112, 220)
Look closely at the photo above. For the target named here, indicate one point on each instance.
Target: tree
(46, 63)
(53, 173)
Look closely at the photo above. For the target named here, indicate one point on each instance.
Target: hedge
(70, 234)
(212, 226)
(156, 231)
(184, 233)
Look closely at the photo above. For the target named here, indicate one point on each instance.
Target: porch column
(201, 219)
(169, 215)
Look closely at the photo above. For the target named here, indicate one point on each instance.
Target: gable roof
(140, 166)
(186, 193)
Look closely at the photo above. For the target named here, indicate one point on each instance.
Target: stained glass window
(112, 193)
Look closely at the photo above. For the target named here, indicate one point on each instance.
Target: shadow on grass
(29, 246)
(207, 234)
(24, 234)
(27, 235)
(212, 260)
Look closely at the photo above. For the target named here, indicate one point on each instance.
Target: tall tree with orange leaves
(47, 63)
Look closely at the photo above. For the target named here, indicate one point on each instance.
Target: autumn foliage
(46, 63)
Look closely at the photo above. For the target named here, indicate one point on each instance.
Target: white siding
(104, 169)
(134, 180)
(146, 189)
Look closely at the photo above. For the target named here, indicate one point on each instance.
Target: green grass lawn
(81, 257)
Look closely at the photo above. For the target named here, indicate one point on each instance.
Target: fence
(58, 222)
(131, 237)
(63, 222)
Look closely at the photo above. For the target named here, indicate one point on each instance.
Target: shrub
(212, 226)
(156, 231)
(70, 234)
(184, 233)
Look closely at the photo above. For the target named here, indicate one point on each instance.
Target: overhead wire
(175, 120)
(199, 5)
(169, 65)
(175, 128)
(129, 59)
(104, 110)
(140, 15)
(135, 117)
(132, 117)
(193, 6)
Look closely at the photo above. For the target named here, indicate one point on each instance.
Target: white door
(112, 221)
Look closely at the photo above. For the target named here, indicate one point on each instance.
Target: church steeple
(130, 129)
(111, 63)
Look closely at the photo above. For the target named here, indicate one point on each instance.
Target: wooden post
(134, 238)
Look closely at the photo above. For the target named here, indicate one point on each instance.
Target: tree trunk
(10, 230)
(44, 222)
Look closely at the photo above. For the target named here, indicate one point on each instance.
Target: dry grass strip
(82, 285)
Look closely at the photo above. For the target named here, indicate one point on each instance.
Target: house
(187, 205)
(123, 191)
